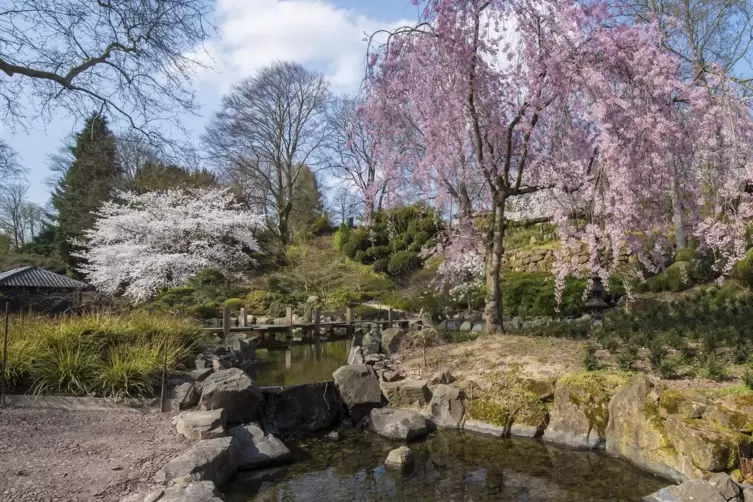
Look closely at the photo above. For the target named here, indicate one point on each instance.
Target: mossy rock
(688, 403)
(709, 445)
(580, 413)
(733, 420)
(508, 401)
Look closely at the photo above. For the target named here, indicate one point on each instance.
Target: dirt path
(75, 456)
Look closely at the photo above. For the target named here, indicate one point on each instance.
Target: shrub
(684, 255)
(627, 357)
(208, 277)
(714, 367)
(378, 252)
(590, 361)
(743, 271)
(748, 377)
(361, 257)
(403, 263)
(341, 236)
(204, 312)
(321, 225)
(380, 266)
(234, 304)
(670, 366)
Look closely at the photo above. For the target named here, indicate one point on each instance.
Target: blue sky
(325, 35)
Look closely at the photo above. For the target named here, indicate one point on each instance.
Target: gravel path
(75, 456)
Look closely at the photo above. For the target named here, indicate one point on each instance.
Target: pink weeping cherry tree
(514, 99)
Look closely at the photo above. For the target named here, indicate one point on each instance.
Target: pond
(300, 364)
(449, 466)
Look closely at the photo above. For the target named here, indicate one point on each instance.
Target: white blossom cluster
(143, 244)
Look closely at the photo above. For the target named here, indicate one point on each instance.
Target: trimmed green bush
(234, 304)
(684, 255)
(380, 266)
(743, 271)
(403, 263)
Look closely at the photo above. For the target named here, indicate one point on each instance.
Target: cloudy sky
(325, 35)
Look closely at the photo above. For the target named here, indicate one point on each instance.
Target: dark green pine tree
(87, 183)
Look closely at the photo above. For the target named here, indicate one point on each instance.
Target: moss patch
(652, 413)
(508, 399)
(591, 392)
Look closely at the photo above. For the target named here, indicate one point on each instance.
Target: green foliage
(152, 177)
(273, 303)
(520, 238)
(98, 354)
(86, 184)
(670, 366)
(627, 357)
(380, 266)
(684, 255)
(743, 270)
(405, 229)
(748, 377)
(590, 361)
(197, 297)
(307, 212)
(234, 304)
(321, 225)
(677, 277)
(403, 263)
(713, 367)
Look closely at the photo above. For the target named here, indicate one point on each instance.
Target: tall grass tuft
(103, 354)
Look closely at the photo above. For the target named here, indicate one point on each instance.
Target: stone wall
(541, 259)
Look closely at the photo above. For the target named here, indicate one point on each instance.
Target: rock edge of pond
(679, 435)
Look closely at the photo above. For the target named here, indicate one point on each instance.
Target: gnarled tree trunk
(494, 253)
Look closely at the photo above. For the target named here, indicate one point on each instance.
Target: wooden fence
(311, 331)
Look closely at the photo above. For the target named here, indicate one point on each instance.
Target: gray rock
(466, 326)
(245, 350)
(447, 406)
(214, 460)
(359, 390)
(695, 490)
(201, 424)
(371, 344)
(478, 327)
(201, 374)
(400, 458)
(748, 495)
(392, 339)
(442, 377)
(257, 449)
(300, 408)
(406, 393)
(356, 355)
(203, 491)
(398, 424)
(234, 391)
(724, 485)
(372, 359)
(184, 396)
(391, 376)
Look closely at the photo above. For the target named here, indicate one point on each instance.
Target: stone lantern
(596, 305)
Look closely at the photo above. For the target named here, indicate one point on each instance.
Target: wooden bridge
(283, 335)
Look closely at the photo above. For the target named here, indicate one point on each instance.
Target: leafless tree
(12, 222)
(130, 58)
(33, 216)
(351, 153)
(344, 204)
(268, 128)
(9, 167)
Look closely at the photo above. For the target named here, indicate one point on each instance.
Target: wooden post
(349, 331)
(317, 321)
(242, 318)
(5, 359)
(289, 316)
(164, 379)
(389, 318)
(226, 324)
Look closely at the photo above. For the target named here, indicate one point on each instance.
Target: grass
(97, 354)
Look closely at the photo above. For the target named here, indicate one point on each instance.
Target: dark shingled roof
(35, 277)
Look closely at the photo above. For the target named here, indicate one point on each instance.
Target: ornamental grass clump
(98, 354)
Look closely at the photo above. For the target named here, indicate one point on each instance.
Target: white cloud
(254, 33)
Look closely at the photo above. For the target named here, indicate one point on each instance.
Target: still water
(300, 363)
(449, 466)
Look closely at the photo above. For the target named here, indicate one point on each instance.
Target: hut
(39, 290)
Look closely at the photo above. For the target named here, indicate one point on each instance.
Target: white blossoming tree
(143, 244)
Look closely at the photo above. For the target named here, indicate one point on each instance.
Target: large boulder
(214, 460)
(709, 446)
(695, 490)
(356, 355)
(232, 390)
(580, 411)
(208, 424)
(359, 389)
(299, 408)
(244, 350)
(636, 431)
(406, 393)
(371, 343)
(447, 406)
(392, 339)
(257, 449)
(184, 396)
(393, 423)
(202, 491)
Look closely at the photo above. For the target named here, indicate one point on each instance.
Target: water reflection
(300, 363)
(450, 466)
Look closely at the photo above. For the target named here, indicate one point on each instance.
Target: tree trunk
(678, 217)
(494, 253)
